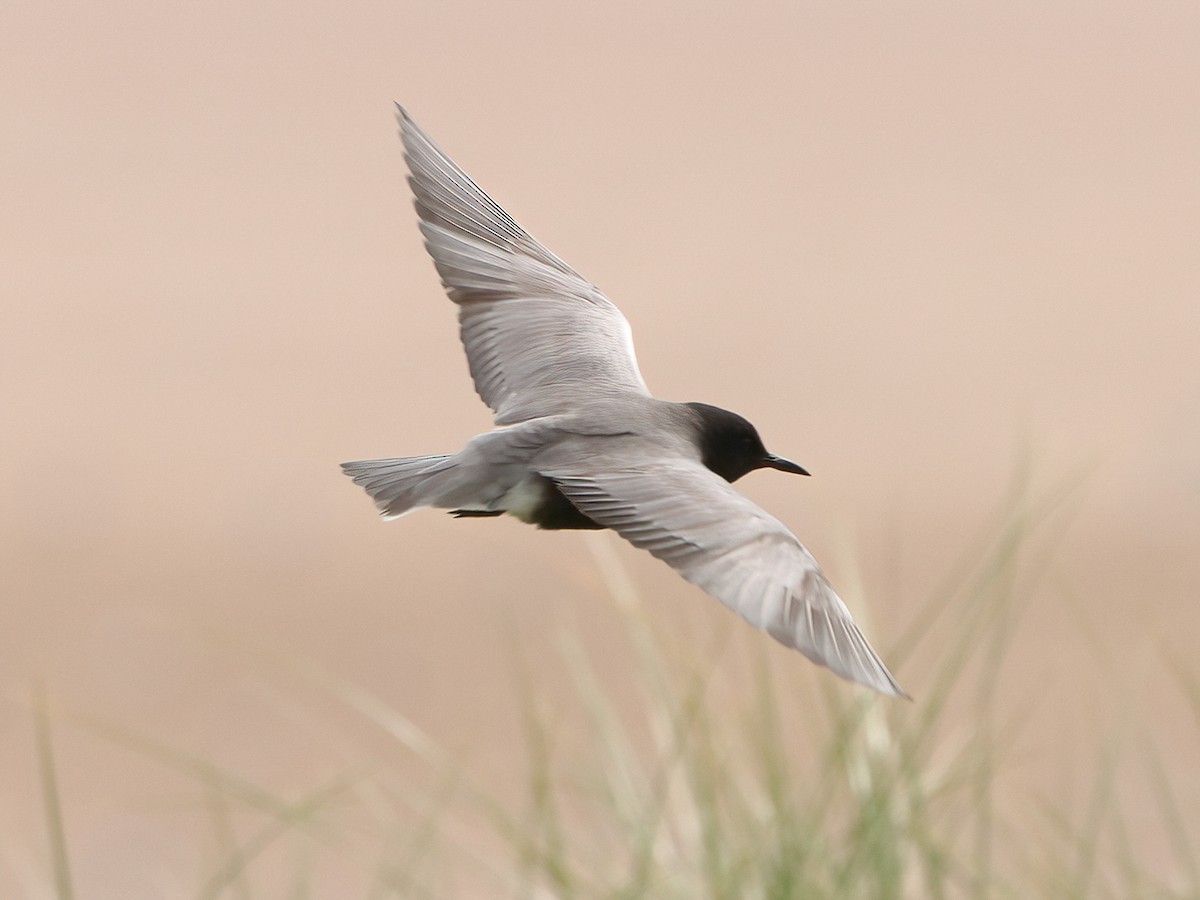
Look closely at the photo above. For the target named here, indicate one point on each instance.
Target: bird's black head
(731, 447)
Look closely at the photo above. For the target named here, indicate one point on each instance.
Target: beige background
(915, 244)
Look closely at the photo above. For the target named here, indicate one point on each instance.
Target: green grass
(717, 781)
(51, 801)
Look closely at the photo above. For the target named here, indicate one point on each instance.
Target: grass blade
(51, 801)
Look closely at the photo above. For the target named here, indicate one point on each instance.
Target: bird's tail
(401, 485)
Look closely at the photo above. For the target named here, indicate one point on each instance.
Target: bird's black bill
(770, 461)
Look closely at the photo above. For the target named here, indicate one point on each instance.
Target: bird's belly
(525, 497)
(539, 502)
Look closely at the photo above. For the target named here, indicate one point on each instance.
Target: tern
(581, 443)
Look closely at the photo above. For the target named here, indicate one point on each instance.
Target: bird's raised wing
(538, 336)
(720, 541)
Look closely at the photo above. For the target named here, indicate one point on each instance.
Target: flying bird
(581, 443)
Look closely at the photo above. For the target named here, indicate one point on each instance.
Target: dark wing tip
(895, 689)
(408, 128)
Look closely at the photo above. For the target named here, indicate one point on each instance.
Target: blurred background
(930, 251)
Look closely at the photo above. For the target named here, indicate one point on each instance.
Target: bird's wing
(693, 520)
(537, 335)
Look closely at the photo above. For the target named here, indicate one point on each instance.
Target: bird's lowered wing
(693, 520)
(537, 335)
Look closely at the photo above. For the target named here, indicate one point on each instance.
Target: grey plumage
(535, 332)
(582, 442)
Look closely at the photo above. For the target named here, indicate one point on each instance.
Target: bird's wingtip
(897, 691)
(883, 681)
